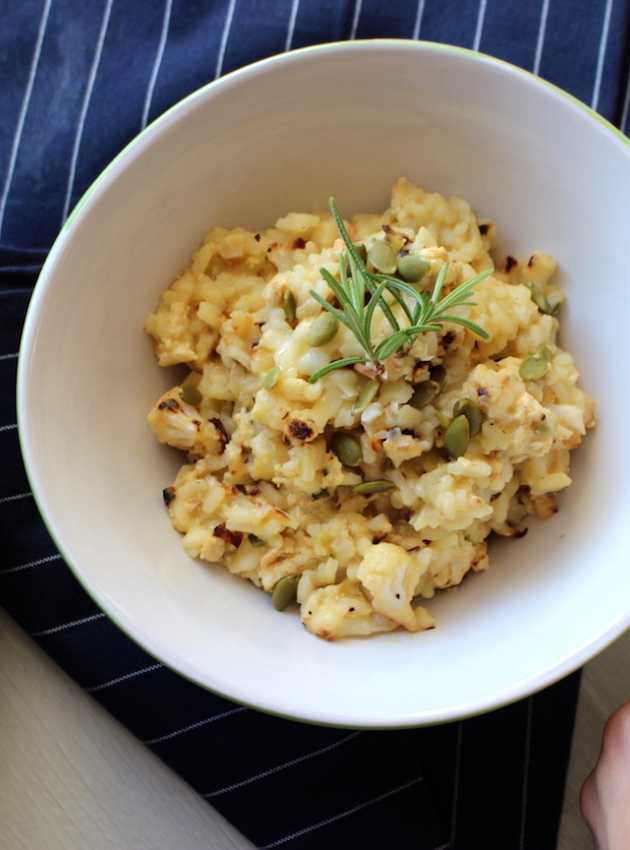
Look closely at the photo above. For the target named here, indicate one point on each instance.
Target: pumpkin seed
(289, 306)
(347, 448)
(412, 267)
(321, 330)
(255, 540)
(443, 419)
(423, 393)
(382, 257)
(438, 374)
(380, 485)
(361, 250)
(533, 368)
(473, 414)
(190, 394)
(457, 437)
(548, 305)
(284, 592)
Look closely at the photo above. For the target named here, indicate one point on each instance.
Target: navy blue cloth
(80, 78)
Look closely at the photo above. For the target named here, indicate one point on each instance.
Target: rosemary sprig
(424, 312)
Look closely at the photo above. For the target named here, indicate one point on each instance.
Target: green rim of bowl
(517, 692)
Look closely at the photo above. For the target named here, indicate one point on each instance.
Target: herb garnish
(360, 291)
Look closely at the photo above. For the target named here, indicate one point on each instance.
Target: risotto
(364, 405)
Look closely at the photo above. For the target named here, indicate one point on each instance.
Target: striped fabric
(79, 79)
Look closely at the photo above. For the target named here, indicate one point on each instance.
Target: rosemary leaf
(336, 364)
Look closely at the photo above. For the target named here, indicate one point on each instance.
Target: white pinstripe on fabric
(481, 16)
(69, 625)
(85, 106)
(265, 773)
(626, 106)
(295, 5)
(166, 20)
(221, 716)
(17, 250)
(456, 771)
(18, 269)
(227, 26)
(355, 18)
(417, 26)
(15, 498)
(526, 761)
(123, 678)
(17, 136)
(308, 829)
(601, 54)
(540, 40)
(11, 427)
(12, 356)
(18, 569)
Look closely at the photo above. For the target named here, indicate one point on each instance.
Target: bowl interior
(282, 136)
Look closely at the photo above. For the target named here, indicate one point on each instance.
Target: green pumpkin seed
(533, 368)
(457, 437)
(289, 306)
(284, 592)
(473, 414)
(443, 419)
(190, 394)
(438, 374)
(545, 351)
(554, 303)
(366, 396)
(423, 393)
(255, 540)
(538, 298)
(347, 448)
(321, 330)
(361, 250)
(382, 257)
(547, 305)
(412, 267)
(381, 485)
(271, 378)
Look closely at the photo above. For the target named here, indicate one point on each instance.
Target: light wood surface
(72, 777)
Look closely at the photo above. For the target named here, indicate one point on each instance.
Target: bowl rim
(130, 151)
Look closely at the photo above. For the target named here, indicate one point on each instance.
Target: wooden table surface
(72, 777)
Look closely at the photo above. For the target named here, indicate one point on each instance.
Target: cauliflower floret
(502, 311)
(450, 221)
(341, 610)
(180, 336)
(451, 556)
(291, 556)
(321, 576)
(515, 422)
(312, 468)
(390, 575)
(546, 474)
(542, 331)
(179, 425)
(453, 495)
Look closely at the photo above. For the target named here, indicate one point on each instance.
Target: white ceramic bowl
(282, 135)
